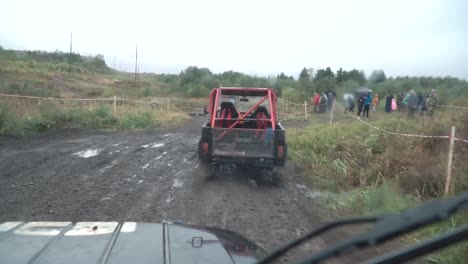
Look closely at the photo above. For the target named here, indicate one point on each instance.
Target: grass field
(366, 171)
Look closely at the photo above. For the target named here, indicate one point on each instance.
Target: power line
(136, 62)
(70, 55)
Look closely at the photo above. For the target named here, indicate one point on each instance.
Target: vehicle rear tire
(206, 171)
(271, 176)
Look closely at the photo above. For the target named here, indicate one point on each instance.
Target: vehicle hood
(128, 242)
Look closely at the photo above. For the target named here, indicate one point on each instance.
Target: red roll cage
(266, 93)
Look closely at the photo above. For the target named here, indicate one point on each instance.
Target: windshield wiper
(386, 227)
(313, 233)
(422, 248)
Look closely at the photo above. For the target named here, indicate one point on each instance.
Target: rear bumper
(244, 162)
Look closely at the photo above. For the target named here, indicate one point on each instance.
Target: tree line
(197, 82)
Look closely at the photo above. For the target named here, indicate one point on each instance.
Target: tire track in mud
(146, 176)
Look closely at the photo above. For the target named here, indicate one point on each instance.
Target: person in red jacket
(316, 102)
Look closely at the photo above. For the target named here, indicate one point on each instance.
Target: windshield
(245, 103)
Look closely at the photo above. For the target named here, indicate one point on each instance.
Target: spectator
(412, 103)
(316, 102)
(388, 102)
(424, 104)
(323, 103)
(331, 99)
(367, 103)
(349, 100)
(432, 103)
(360, 104)
(394, 105)
(421, 99)
(399, 101)
(375, 101)
(404, 103)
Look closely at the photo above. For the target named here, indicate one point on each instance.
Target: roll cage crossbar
(268, 94)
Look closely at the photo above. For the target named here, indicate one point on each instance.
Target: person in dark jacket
(388, 102)
(360, 104)
(424, 104)
(400, 101)
(420, 100)
(367, 103)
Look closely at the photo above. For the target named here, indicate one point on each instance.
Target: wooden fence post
(115, 105)
(287, 100)
(305, 109)
(332, 111)
(449, 161)
(167, 110)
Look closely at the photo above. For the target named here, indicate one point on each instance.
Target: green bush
(7, 121)
(99, 117)
(11, 125)
(293, 94)
(147, 92)
(385, 198)
(334, 157)
(108, 92)
(137, 120)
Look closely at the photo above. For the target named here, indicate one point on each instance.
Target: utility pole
(70, 55)
(136, 61)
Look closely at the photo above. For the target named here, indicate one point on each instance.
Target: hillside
(49, 75)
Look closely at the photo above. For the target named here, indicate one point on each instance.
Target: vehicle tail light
(280, 152)
(205, 148)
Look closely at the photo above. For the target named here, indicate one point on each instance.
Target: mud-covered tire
(206, 171)
(279, 174)
(272, 176)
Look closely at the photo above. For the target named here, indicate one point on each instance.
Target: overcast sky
(402, 37)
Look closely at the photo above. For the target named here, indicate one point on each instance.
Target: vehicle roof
(128, 242)
(245, 91)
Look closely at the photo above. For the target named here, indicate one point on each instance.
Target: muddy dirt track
(146, 176)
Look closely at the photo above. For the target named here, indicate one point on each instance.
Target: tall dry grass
(22, 116)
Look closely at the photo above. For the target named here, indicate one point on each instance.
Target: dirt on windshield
(148, 176)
